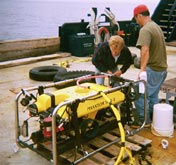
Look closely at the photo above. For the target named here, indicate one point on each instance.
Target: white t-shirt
(116, 58)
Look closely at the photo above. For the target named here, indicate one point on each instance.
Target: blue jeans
(154, 81)
(101, 80)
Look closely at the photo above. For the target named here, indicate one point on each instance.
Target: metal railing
(171, 28)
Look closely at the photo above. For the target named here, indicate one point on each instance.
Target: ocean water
(29, 19)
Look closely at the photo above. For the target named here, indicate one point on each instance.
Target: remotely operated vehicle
(50, 121)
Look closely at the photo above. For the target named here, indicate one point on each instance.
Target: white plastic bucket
(163, 120)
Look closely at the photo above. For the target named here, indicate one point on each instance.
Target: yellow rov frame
(91, 97)
(87, 107)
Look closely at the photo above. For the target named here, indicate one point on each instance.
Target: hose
(123, 148)
(88, 77)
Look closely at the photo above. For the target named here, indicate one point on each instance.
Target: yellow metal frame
(92, 98)
(87, 107)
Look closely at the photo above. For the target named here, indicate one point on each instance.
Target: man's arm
(127, 60)
(144, 57)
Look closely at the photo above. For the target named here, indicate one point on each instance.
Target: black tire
(137, 61)
(71, 75)
(133, 56)
(45, 73)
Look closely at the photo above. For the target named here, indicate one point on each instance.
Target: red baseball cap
(139, 9)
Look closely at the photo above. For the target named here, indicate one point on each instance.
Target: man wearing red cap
(153, 66)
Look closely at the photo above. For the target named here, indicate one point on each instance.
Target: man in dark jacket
(108, 55)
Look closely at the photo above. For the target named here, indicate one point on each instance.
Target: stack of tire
(136, 60)
(57, 73)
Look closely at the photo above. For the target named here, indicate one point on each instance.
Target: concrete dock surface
(12, 79)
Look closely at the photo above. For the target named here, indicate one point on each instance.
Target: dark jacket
(104, 61)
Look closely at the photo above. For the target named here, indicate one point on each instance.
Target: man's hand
(109, 72)
(117, 73)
